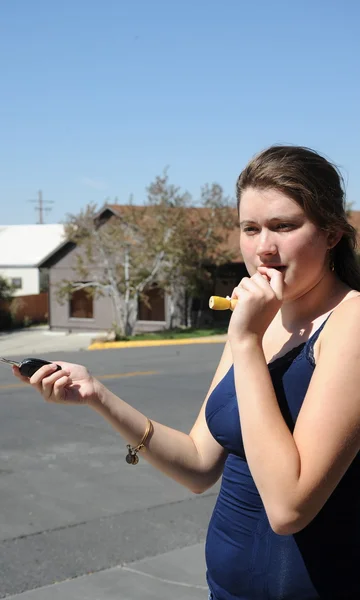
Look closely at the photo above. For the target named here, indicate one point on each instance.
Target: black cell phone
(28, 366)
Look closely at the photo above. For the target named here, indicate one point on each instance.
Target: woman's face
(275, 232)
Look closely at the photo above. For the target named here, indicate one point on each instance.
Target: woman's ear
(334, 238)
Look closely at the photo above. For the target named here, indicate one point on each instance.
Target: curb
(149, 343)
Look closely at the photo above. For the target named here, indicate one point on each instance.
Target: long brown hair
(317, 187)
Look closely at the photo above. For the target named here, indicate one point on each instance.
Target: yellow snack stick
(219, 303)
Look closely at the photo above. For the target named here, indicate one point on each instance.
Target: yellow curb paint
(149, 343)
(100, 377)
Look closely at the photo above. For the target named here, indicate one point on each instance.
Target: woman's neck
(323, 297)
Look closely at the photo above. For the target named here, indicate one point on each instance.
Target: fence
(24, 310)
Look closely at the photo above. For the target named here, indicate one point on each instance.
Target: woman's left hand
(258, 300)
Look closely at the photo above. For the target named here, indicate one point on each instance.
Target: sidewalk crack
(180, 583)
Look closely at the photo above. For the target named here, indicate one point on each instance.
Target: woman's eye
(251, 229)
(284, 226)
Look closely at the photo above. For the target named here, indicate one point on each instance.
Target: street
(70, 505)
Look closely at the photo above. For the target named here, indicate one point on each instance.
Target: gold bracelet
(132, 457)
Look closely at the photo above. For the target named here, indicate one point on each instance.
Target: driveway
(37, 340)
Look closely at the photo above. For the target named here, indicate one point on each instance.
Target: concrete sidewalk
(38, 340)
(176, 575)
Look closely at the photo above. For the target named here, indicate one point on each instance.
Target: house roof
(28, 245)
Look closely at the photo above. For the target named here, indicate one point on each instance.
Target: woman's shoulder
(350, 302)
(344, 320)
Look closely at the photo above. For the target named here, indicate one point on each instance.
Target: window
(154, 308)
(16, 282)
(81, 305)
(44, 280)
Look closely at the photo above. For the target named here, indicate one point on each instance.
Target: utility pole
(40, 206)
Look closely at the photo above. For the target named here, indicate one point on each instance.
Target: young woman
(281, 421)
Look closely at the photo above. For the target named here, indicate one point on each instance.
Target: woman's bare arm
(194, 460)
(296, 473)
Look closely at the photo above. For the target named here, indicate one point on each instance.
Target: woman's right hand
(72, 385)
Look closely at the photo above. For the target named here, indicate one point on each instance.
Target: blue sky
(98, 96)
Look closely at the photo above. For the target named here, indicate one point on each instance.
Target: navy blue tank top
(245, 559)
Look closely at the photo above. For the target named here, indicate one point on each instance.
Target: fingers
(276, 280)
(58, 391)
(265, 280)
(51, 385)
(17, 374)
(44, 371)
(251, 285)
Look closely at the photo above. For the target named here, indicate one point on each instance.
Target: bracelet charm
(132, 457)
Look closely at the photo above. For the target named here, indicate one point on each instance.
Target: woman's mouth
(280, 268)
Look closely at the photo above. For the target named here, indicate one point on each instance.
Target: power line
(40, 206)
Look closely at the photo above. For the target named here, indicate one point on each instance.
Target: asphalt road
(69, 503)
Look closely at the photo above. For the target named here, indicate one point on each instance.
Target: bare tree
(124, 249)
(123, 252)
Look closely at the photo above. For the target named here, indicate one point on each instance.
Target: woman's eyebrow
(273, 219)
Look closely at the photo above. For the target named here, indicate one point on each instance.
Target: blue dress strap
(309, 346)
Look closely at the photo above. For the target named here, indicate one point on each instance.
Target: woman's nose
(266, 244)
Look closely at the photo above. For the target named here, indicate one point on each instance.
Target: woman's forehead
(269, 203)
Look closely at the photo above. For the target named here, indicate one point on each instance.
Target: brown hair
(318, 187)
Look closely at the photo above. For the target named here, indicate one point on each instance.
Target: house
(83, 312)
(22, 249)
